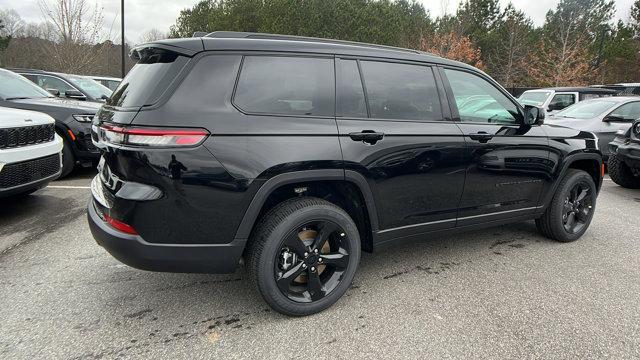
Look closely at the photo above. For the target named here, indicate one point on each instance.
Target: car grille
(29, 171)
(25, 136)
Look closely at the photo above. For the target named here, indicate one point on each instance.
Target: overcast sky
(142, 15)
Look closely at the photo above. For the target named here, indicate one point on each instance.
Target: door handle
(481, 136)
(368, 136)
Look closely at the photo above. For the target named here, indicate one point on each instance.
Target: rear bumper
(132, 250)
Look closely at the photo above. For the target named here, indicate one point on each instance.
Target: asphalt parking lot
(504, 292)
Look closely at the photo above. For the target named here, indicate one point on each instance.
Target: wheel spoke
(583, 215)
(569, 224)
(296, 245)
(336, 260)
(324, 230)
(285, 279)
(314, 286)
(582, 195)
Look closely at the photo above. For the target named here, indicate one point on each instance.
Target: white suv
(30, 151)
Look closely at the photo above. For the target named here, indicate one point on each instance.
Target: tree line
(578, 43)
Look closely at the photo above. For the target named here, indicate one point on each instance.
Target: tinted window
(561, 101)
(49, 82)
(627, 112)
(91, 87)
(286, 85)
(401, 91)
(351, 102)
(147, 80)
(479, 101)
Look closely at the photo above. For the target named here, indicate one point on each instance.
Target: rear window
(147, 80)
(286, 86)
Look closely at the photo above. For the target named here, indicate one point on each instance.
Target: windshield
(586, 109)
(535, 98)
(91, 87)
(14, 86)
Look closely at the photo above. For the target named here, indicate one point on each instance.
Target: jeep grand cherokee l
(297, 153)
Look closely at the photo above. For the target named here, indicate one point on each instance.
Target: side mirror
(54, 92)
(75, 94)
(533, 115)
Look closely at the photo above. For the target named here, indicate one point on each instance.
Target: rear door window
(286, 85)
(351, 101)
(401, 91)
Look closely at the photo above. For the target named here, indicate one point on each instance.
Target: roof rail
(253, 35)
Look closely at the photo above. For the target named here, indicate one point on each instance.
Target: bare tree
(152, 35)
(13, 23)
(76, 28)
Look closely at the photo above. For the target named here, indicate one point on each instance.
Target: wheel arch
(589, 162)
(347, 189)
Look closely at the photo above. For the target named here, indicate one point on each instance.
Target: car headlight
(83, 118)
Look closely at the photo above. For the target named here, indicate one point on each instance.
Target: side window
(32, 78)
(351, 102)
(50, 82)
(286, 85)
(561, 101)
(627, 112)
(401, 91)
(479, 101)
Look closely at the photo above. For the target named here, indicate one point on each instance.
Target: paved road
(505, 292)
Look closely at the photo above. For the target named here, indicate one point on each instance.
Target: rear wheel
(68, 160)
(303, 255)
(571, 209)
(621, 174)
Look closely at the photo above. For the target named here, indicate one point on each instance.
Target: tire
(555, 223)
(68, 159)
(621, 174)
(277, 238)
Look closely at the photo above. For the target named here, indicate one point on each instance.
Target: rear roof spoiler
(186, 47)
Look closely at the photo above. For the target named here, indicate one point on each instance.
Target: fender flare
(565, 167)
(263, 193)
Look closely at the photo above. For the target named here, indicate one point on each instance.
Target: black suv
(73, 118)
(296, 153)
(624, 164)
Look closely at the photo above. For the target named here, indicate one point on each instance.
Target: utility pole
(122, 34)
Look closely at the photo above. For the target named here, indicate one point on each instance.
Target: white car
(556, 99)
(30, 151)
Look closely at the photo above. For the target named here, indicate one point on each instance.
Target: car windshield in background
(535, 98)
(14, 86)
(91, 87)
(586, 109)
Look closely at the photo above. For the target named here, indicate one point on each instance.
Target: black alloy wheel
(577, 208)
(303, 255)
(312, 261)
(568, 215)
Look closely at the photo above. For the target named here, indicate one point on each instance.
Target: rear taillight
(119, 225)
(150, 137)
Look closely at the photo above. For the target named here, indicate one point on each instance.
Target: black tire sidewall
(266, 261)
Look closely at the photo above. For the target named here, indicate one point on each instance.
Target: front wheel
(570, 212)
(303, 255)
(621, 174)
